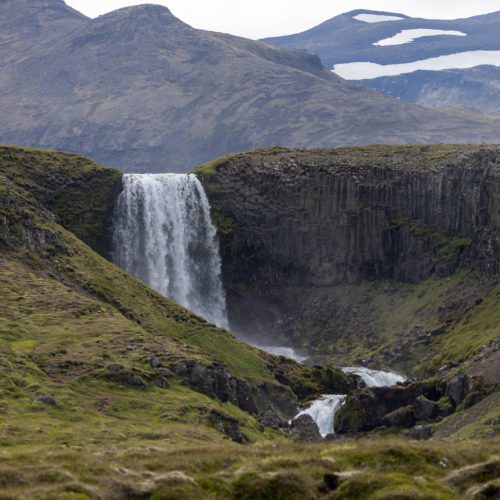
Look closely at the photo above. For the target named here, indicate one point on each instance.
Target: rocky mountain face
(350, 39)
(476, 88)
(385, 247)
(141, 90)
(347, 39)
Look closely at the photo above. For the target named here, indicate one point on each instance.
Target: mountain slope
(477, 88)
(379, 50)
(141, 90)
(345, 39)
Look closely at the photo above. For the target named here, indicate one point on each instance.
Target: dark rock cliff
(297, 224)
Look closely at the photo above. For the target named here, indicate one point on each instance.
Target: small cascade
(375, 378)
(164, 235)
(323, 412)
(324, 409)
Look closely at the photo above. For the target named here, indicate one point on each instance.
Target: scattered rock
(271, 419)
(45, 399)
(227, 425)
(420, 432)
(305, 429)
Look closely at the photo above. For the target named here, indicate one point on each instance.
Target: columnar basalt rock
(299, 226)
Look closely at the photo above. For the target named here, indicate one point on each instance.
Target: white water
(164, 236)
(408, 36)
(462, 60)
(375, 378)
(323, 412)
(324, 409)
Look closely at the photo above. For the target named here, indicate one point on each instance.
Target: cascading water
(323, 412)
(375, 378)
(164, 235)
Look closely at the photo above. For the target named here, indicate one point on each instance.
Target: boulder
(304, 429)
(402, 417)
(426, 409)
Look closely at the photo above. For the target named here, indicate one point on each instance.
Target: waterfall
(164, 235)
(375, 378)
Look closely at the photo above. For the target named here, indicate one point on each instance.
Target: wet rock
(402, 417)
(46, 399)
(305, 429)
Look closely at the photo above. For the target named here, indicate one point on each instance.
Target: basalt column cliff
(390, 247)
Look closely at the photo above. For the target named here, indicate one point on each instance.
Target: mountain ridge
(147, 92)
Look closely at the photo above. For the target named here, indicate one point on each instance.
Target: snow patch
(408, 36)
(461, 60)
(376, 18)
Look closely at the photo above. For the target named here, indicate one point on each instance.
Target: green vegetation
(366, 469)
(84, 414)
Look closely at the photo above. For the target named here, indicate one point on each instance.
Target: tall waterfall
(164, 236)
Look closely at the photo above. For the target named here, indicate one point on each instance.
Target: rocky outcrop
(216, 382)
(404, 406)
(322, 218)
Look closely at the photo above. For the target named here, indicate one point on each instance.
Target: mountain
(347, 39)
(360, 48)
(141, 90)
(477, 88)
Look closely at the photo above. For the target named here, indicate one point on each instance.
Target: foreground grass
(366, 469)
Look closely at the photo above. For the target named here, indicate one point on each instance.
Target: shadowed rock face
(318, 245)
(141, 90)
(321, 218)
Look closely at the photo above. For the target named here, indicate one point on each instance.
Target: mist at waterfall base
(164, 235)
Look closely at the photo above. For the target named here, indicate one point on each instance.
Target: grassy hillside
(100, 343)
(92, 402)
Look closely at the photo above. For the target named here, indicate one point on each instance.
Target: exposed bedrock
(297, 227)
